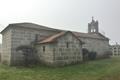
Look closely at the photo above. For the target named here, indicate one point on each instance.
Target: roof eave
(5, 28)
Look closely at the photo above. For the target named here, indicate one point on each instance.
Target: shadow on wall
(29, 54)
(92, 55)
(87, 55)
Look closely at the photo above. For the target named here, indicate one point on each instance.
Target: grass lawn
(107, 69)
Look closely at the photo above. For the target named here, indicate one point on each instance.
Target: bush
(107, 54)
(92, 55)
(85, 53)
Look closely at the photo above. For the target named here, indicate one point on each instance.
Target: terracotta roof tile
(36, 26)
(90, 35)
(54, 37)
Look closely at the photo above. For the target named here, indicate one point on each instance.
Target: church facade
(60, 49)
(53, 46)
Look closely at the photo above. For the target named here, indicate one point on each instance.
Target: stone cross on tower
(93, 26)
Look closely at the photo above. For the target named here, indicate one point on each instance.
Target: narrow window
(43, 48)
(67, 45)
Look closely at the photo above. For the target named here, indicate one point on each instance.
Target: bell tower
(93, 26)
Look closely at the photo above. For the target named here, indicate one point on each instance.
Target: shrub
(107, 54)
(92, 55)
(85, 53)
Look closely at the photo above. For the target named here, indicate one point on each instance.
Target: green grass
(107, 69)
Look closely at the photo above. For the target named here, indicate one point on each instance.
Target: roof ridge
(33, 25)
(55, 36)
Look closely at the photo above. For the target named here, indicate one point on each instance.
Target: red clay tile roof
(78, 35)
(90, 35)
(35, 26)
(54, 37)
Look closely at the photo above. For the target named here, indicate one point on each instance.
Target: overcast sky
(64, 14)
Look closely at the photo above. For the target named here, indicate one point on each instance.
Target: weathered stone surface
(97, 45)
(56, 53)
(6, 47)
(67, 50)
(15, 37)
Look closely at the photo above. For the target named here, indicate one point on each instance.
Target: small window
(43, 48)
(114, 48)
(67, 44)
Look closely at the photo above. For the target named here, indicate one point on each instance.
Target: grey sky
(64, 14)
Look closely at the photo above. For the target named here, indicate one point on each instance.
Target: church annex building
(53, 46)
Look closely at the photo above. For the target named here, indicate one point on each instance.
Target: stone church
(54, 46)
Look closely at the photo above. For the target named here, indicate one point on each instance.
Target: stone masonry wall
(61, 53)
(24, 36)
(97, 45)
(6, 47)
(46, 56)
(68, 50)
